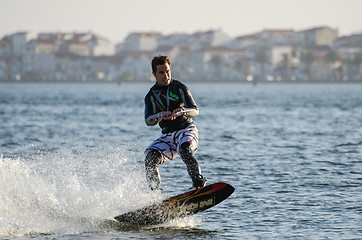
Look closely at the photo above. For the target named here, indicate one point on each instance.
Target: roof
(147, 34)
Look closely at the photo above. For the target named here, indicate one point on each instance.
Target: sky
(115, 19)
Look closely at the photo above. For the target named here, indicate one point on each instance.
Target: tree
(354, 67)
(284, 64)
(241, 67)
(332, 58)
(308, 59)
(261, 57)
(357, 60)
(216, 62)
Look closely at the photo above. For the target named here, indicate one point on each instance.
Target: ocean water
(72, 159)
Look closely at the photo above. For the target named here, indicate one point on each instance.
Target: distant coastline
(317, 54)
(188, 81)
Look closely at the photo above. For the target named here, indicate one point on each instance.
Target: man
(169, 103)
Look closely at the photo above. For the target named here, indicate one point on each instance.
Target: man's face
(163, 74)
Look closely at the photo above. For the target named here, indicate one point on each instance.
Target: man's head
(161, 69)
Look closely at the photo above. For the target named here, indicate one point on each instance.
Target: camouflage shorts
(169, 144)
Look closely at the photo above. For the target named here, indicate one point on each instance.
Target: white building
(349, 46)
(217, 63)
(181, 40)
(319, 36)
(136, 66)
(19, 41)
(6, 47)
(212, 38)
(39, 57)
(244, 42)
(98, 46)
(142, 41)
(279, 53)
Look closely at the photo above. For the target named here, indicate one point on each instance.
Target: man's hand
(172, 115)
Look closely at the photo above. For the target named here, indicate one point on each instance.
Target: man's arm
(191, 112)
(152, 117)
(190, 108)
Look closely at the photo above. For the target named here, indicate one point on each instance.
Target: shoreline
(186, 81)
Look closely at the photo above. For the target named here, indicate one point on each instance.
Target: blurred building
(315, 54)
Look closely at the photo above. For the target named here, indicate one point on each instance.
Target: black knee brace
(186, 155)
(185, 150)
(153, 159)
(193, 168)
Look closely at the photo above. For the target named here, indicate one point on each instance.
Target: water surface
(72, 159)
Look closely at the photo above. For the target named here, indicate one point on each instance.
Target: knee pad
(185, 150)
(153, 158)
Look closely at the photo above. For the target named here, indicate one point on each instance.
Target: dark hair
(159, 60)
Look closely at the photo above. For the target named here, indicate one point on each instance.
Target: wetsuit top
(168, 98)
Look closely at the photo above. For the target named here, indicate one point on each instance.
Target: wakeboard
(185, 204)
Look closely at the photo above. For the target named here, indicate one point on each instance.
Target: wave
(64, 194)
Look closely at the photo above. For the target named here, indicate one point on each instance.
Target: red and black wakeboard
(188, 203)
